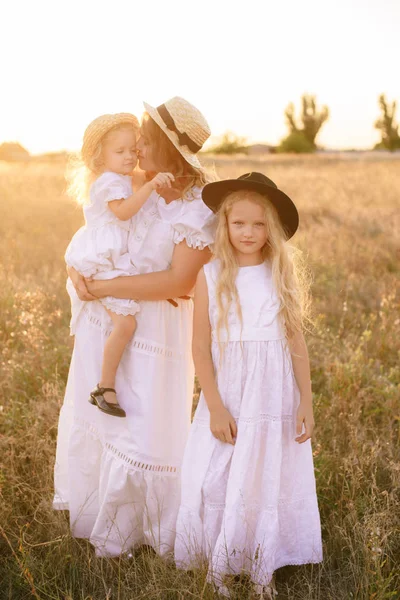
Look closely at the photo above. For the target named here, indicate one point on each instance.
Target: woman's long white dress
(252, 506)
(120, 478)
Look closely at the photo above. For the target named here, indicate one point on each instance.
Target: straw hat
(184, 124)
(99, 127)
(214, 193)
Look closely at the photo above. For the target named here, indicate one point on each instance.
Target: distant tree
(229, 143)
(387, 125)
(311, 121)
(295, 142)
(13, 151)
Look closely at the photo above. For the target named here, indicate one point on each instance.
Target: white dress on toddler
(99, 249)
(251, 506)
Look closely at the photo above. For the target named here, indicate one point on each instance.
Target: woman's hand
(79, 283)
(223, 425)
(304, 415)
(98, 287)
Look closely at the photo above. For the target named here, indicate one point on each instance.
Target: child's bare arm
(126, 208)
(222, 424)
(301, 369)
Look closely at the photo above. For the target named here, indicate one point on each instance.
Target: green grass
(350, 224)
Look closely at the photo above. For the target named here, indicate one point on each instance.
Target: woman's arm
(301, 369)
(222, 424)
(79, 283)
(177, 281)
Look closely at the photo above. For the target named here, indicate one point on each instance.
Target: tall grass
(350, 222)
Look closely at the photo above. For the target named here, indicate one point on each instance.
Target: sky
(63, 63)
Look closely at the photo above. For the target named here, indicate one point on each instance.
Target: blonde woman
(248, 496)
(120, 478)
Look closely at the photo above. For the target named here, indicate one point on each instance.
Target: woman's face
(145, 159)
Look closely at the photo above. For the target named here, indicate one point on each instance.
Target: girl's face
(146, 162)
(119, 152)
(247, 227)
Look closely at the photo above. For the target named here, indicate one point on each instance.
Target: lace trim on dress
(262, 418)
(136, 344)
(133, 463)
(139, 465)
(266, 418)
(125, 311)
(151, 348)
(219, 506)
(193, 240)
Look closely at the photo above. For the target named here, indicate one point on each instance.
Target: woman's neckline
(194, 191)
(163, 200)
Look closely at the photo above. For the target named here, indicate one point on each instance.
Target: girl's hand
(304, 415)
(78, 281)
(162, 180)
(223, 425)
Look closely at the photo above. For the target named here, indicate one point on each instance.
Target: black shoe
(97, 398)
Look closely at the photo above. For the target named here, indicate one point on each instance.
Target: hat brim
(214, 193)
(189, 156)
(98, 128)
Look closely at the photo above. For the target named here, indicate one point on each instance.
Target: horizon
(206, 150)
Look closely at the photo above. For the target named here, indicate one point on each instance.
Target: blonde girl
(99, 250)
(248, 490)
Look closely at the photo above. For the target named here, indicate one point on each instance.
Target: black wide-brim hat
(214, 193)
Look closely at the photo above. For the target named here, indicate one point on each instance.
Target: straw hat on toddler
(99, 127)
(184, 125)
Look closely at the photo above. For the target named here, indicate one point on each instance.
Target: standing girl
(248, 490)
(100, 248)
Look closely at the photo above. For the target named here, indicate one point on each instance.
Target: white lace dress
(251, 506)
(99, 249)
(120, 478)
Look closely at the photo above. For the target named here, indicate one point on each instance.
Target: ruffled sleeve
(111, 186)
(196, 224)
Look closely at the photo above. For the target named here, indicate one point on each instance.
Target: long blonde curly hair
(289, 273)
(169, 159)
(80, 177)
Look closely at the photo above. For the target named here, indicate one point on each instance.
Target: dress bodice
(109, 186)
(259, 303)
(159, 226)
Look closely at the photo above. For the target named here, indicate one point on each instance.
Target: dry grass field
(350, 223)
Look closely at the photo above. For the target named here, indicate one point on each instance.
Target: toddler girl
(100, 248)
(248, 490)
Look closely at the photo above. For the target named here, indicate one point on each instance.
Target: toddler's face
(119, 152)
(247, 227)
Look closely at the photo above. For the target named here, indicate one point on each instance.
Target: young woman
(120, 478)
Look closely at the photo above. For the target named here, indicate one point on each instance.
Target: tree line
(304, 129)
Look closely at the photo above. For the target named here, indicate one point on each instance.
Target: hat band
(184, 139)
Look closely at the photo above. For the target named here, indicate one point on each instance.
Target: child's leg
(123, 330)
